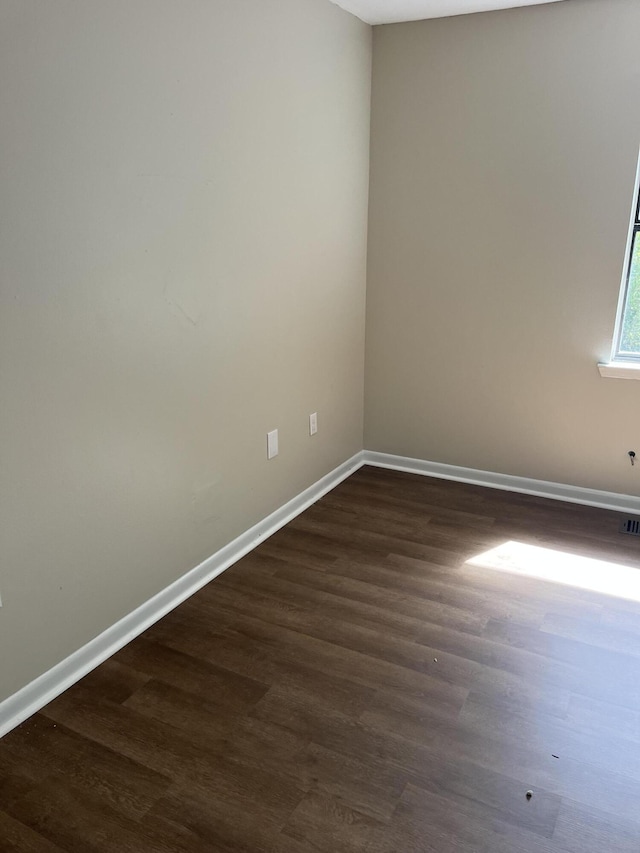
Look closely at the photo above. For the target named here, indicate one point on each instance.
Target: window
(626, 345)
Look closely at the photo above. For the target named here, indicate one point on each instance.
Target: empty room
(320, 440)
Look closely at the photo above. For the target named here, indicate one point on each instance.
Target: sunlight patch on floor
(532, 561)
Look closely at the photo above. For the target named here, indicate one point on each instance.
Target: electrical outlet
(313, 423)
(272, 444)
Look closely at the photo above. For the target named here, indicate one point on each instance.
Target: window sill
(620, 370)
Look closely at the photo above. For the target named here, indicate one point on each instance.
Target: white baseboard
(507, 482)
(21, 705)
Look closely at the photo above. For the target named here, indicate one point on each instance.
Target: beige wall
(504, 149)
(182, 268)
(182, 265)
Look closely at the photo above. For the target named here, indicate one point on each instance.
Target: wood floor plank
(579, 828)
(13, 787)
(497, 796)
(78, 822)
(451, 593)
(590, 670)
(346, 537)
(17, 837)
(223, 828)
(284, 658)
(188, 759)
(584, 631)
(463, 825)
(545, 733)
(598, 718)
(43, 749)
(367, 785)
(454, 669)
(352, 611)
(327, 823)
(423, 609)
(466, 575)
(196, 676)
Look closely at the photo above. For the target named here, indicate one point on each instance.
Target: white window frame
(625, 365)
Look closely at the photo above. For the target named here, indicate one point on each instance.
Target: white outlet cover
(313, 423)
(272, 444)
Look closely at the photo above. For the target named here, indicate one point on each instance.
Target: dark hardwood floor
(355, 685)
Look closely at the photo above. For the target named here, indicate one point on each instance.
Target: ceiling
(393, 11)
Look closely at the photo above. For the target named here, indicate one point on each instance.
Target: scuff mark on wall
(177, 307)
